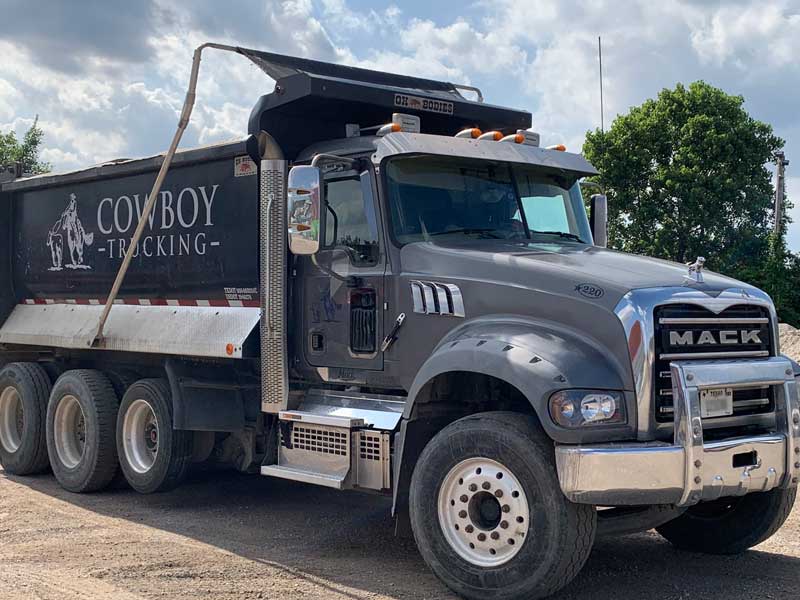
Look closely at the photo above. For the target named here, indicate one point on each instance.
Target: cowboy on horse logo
(77, 239)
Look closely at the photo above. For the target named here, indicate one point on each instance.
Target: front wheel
(488, 514)
(730, 525)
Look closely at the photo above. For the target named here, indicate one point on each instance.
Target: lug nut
(486, 485)
(506, 508)
(697, 480)
(698, 463)
(469, 529)
(495, 535)
(462, 514)
(473, 487)
(498, 493)
(504, 524)
(464, 498)
(482, 537)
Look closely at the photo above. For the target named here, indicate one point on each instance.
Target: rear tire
(528, 541)
(80, 431)
(730, 525)
(24, 392)
(153, 455)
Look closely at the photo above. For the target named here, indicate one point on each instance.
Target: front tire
(730, 525)
(488, 514)
(24, 392)
(80, 431)
(153, 455)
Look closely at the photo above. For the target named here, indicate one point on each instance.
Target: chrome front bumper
(690, 470)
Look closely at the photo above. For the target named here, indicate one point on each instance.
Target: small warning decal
(426, 104)
(243, 166)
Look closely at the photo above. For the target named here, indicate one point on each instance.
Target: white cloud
(763, 33)
(540, 55)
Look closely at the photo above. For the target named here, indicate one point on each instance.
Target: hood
(560, 268)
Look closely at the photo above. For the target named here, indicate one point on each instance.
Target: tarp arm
(188, 105)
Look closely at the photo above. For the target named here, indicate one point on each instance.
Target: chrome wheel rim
(11, 420)
(483, 512)
(69, 431)
(140, 436)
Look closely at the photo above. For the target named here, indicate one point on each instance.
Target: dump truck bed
(66, 234)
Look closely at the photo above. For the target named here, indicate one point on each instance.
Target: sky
(107, 78)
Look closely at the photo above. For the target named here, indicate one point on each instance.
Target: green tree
(26, 151)
(686, 175)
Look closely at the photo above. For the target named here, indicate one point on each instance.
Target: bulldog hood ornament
(696, 270)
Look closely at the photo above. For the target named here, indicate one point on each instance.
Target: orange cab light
(491, 135)
(471, 132)
(558, 147)
(229, 349)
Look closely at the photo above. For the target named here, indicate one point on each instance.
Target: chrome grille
(689, 332)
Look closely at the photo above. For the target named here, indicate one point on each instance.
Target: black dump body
(64, 236)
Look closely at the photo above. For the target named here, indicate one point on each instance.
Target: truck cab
(423, 307)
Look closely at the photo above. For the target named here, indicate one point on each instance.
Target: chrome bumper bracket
(691, 470)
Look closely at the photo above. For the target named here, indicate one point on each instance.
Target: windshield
(440, 197)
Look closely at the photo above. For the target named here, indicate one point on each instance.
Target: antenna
(600, 58)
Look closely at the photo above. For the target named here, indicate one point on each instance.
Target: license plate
(716, 402)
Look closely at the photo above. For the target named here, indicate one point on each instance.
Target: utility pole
(780, 188)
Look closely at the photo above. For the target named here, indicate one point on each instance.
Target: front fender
(538, 358)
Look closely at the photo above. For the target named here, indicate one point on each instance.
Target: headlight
(582, 408)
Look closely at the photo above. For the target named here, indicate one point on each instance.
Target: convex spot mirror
(304, 215)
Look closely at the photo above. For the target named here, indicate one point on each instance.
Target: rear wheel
(80, 431)
(730, 525)
(24, 391)
(488, 514)
(153, 455)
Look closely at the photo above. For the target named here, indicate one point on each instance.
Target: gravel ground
(225, 535)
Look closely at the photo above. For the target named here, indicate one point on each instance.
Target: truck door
(343, 312)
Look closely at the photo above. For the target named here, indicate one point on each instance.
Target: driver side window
(351, 223)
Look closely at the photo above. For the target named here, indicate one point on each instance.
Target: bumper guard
(689, 470)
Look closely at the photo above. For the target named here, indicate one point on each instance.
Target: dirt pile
(790, 341)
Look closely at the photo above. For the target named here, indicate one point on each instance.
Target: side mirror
(305, 198)
(598, 217)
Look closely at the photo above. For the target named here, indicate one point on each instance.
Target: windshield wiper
(487, 232)
(563, 234)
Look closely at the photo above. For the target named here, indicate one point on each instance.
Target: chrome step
(295, 474)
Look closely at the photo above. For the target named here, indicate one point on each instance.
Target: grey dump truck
(390, 286)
